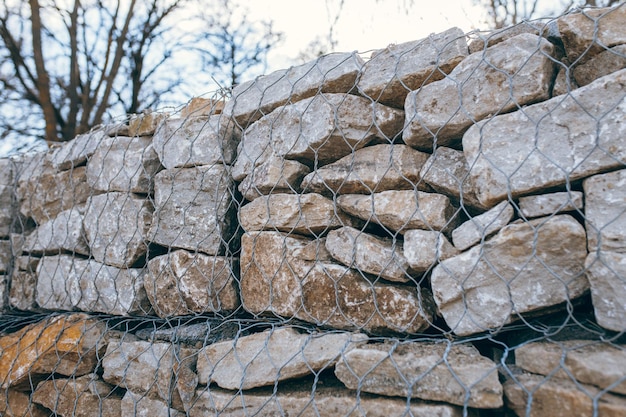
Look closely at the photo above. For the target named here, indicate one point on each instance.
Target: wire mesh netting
(438, 229)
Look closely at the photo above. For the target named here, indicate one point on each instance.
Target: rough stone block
(63, 233)
(274, 176)
(605, 63)
(133, 405)
(76, 152)
(18, 404)
(145, 124)
(552, 203)
(424, 248)
(605, 218)
(481, 227)
(606, 272)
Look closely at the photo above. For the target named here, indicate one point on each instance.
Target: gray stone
(63, 233)
(519, 70)
(455, 374)
(183, 283)
(524, 268)
(274, 355)
(482, 41)
(396, 70)
(590, 362)
(424, 248)
(605, 218)
(57, 284)
(138, 405)
(554, 142)
(559, 398)
(553, 203)
(194, 209)
(480, 227)
(369, 254)
(5, 256)
(606, 272)
(332, 73)
(321, 129)
(564, 82)
(308, 214)
(76, 152)
(586, 34)
(273, 281)
(188, 142)
(7, 210)
(611, 60)
(124, 164)
(22, 292)
(371, 169)
(116, 225)
(7, 171)
(274, 176)
(401, 210)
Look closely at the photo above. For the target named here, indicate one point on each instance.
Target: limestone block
(611, 60)
(606, 272)
(586, 34)
(426, 370)
(135, 405)
(308, 214)
(590, 362)
(524, 268)
(552, 203)
(76, 152)
(394, 71)
(188, 142)
(605, 218)
(564, 82)
(274, 281)
(401, 210)
(487, 39)
(519, 70)
(200, 106)
(554, 142)
(369, 254)
(67, 345)
(332, 73)
(370, 169)
(274, 176)
(559, 398)
(194, 209)
(22, 292)
(15, 403)
(320, 130)
(63, 233)
(5, 256)
(125, 164)
(7, 210)
(58, 286)
(78, 397)
(481, 227)
(116, 225)
(424, 248)
(183, 283)
(145, 124)
(274, 355)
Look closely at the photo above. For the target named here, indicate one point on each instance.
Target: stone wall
(438, 230)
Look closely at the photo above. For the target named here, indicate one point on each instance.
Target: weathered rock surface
(596, 363)
(368, 170)
(519, 70)
(605, 218)
(18, 404)
(481, 227)
(22, 291)
(200, 106)
(307, 214)
(611, 60)
(193, 209)
(146, 123)
(321, 129)
(370, 254)
(332, 73)
(429, 371)
(7, 212)
(76, 152)
(607, 277)
(274, 176)
(64, 344)
(493, 37)
(401, 210)
(524, 268)
(84, 396)
(182, 283)
(424, 248)
(553, 203)
(138, 405)
(559, 140)
(116, 225)
(274, 355)
(396, 70)
(274, 281)
(559, 398)
(123, 164)
(187, 142)
(5, 256)
(63, 233)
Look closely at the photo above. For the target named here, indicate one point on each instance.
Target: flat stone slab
(76, 152)
(274, 176)
(519, 70)
(606, 273)
(605, 219)
(63, 233)
(183, 283)
(368, 170)
(480, 227)
(393, 72)
(424, 248)
(429, 371)
(573, 137)
(524, 268)
(552, 203)
(590, 362)
(280, 354)
(332, 73)
(194, 141)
